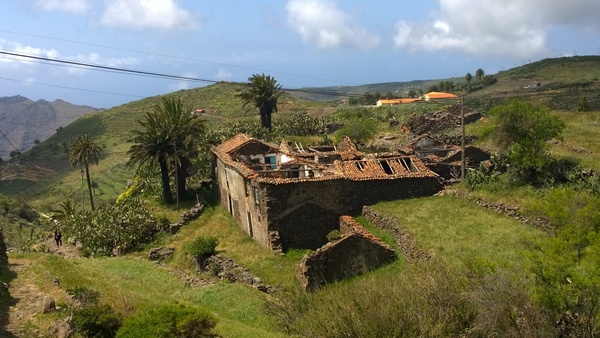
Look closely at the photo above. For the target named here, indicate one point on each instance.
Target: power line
(175, 57)
(78, 64)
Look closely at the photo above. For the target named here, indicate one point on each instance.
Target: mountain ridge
(24, 121)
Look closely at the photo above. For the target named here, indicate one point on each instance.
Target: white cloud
(70, 6)
(508, 28)
(182, 84)
(163, 15)
(26, 64)
(322, 23)
(222, 74)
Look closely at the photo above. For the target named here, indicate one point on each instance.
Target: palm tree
(479, 74)
(84, 151)
(263, 93)
(67, 209)
(169, 138)
(468, 78)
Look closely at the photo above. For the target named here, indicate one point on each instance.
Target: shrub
(359, 130)
(301, 124)
(177, 321)
(84, 295)
(334, 235)
(125, 226)
(96, 321)
(203, 247)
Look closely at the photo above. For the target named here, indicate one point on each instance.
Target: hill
(25, 121)
(43, 173)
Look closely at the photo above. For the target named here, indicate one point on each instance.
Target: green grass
(457, 229)
(142, 286)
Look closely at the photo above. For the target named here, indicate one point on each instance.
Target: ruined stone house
(444, 159)
(292, 198)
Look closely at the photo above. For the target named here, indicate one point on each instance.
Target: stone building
(285, 198)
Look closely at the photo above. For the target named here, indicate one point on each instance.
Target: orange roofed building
(285, 198)
(438, 96)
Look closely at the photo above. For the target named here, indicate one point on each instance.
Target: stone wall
(356, 252)
(403, 240)
(304, 213)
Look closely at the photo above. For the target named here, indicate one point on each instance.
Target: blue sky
(301, 43)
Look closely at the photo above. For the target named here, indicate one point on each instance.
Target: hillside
(44, 170)
(25, 121)
(483, 254)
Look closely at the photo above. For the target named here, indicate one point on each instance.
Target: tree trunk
(165, 181)
(265, 117)
(89, 182)
(181, 178)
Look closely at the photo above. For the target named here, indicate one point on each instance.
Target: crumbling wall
(404, 240)
(356, 252)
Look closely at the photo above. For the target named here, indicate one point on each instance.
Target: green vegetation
(489, 275)
(203, 247)
(170, 138)
(169, 321)
(123, 226)
(263, 92)
(85, 151)
(521, 134)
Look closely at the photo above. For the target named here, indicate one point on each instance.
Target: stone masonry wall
(403, 239)
(356, 252)
(304, 213)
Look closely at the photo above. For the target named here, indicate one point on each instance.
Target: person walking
(58, 237)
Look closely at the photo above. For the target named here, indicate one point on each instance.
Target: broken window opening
(408, 164)
(256, 195)
(386, 167)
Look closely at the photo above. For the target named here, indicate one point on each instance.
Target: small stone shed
(357, 251)
(285, 198)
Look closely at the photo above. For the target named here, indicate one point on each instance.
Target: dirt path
(27, 299)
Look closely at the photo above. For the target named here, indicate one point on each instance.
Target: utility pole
(176, 174)
(462, 147)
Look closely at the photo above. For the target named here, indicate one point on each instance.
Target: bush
(203, 247)
(96, 322)
(125, 226)
(359, 130)
(334, 235)
(177, 321)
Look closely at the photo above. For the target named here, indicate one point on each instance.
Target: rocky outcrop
(160, 254)
(227, 269)
(404, 240)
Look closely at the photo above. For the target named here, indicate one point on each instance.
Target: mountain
(23, 121)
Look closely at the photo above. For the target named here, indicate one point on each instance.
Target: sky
(302, 43)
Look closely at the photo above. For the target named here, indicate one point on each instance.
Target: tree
(84, 151)
(468, 78)
(412, 93)
(479, 74)
(263, 93)
(521, 134)
(169, 138)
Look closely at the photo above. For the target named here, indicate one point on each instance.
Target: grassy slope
(448, 227)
